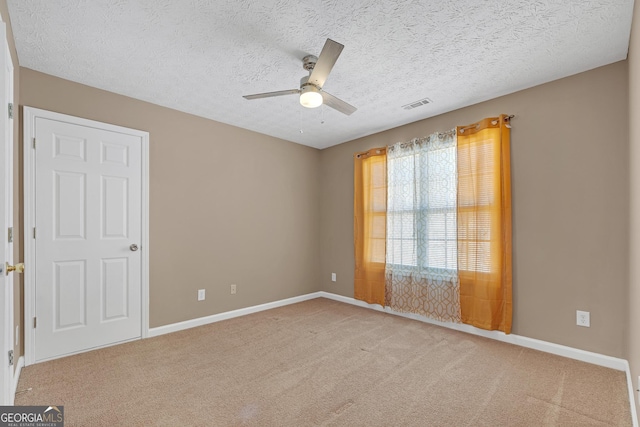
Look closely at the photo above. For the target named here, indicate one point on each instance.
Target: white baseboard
(174, 327)
(16, 378)
(544, 346)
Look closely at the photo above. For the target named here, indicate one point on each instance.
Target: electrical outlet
(233, 289)
(583, 318)
(333, 277)
(200, 294)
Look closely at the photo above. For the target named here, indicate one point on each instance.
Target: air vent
(416, 104)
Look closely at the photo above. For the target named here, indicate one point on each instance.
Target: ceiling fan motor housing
(304, 81)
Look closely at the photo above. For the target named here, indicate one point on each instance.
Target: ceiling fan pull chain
(300, 120)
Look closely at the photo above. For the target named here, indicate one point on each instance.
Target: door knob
(18, 268)
(133, 247)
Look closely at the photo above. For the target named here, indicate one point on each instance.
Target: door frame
(30, 115)
(8, 378)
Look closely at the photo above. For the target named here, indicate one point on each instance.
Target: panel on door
(88, 214)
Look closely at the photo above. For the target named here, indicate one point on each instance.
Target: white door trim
(8, 186)
(9, 84)
(30, 114)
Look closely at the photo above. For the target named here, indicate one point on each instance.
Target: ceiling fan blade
(272, 94)
(327, 59)
(337, 104)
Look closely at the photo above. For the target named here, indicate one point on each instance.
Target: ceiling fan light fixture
(310, 96)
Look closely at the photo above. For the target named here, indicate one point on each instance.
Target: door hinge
(11, 110)
(35, 322)
(10, 234)
(34, 142)
(34, 232)
(10, 357)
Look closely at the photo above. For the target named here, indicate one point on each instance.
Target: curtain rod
(507, 119)
(462, 129)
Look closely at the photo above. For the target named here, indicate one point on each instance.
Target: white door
(87, 237)
(6, 215)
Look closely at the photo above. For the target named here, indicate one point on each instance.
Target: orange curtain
(484, 224)
(370, 224)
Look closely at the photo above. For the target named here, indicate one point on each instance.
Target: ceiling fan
(311, 93)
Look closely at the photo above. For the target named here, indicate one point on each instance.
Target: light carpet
(323, 362)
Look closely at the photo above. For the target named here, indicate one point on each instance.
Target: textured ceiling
(201, 56)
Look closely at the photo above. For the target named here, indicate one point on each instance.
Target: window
(421, 211)
(447, 222)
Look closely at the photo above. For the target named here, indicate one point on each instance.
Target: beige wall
(17, 173)
(634, 162)
(570, 208)
(226, 205)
